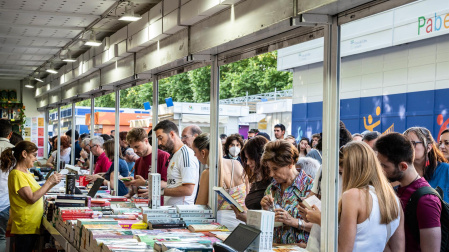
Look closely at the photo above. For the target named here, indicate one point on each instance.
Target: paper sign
(40, 122)
(40, 152)
(40, 142)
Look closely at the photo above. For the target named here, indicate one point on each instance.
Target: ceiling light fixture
(93, 40)
(69, 57)
(51, 69)
(129, 13)
(37, 77)
(29, 85)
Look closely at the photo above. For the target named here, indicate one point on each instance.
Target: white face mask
(234, 151)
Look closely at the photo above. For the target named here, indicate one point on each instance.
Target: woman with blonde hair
(231, 178)
(368, 207)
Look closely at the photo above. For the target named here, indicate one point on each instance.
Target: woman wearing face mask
(232, 147)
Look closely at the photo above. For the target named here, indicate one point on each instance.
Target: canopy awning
(193, 118)
(252, 118)
(141, 123)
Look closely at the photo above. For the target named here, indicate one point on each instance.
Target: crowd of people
(387, 200)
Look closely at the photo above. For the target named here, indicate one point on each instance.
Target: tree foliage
(254, 75)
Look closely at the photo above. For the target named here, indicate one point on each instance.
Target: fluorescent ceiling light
(129, 13)
(93, 40)
(130, 18)
(68, 57)
(29, 85)
(52, 71)
(38, 79)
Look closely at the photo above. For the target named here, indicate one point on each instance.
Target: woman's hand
(239, 215)
(54, 179)
(84, 154)
(302, 211)
(314, 215)
(267, 202)
(283, 216)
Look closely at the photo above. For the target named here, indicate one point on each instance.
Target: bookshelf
(14, 112)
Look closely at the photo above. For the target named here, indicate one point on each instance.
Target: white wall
(418, 66)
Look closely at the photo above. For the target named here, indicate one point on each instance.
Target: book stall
(93, 220)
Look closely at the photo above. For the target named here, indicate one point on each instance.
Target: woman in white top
(368, 211)
(65, 152)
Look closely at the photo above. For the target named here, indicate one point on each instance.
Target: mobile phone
(125, 179)
(143, 187)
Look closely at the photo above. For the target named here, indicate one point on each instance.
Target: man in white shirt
(5, 135)
(183, 169)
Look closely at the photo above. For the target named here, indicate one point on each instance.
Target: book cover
(226, 196)
(162, 209)
(61, 204)
(187, 247)
(161, 224)
(207, 227)
(75, 201)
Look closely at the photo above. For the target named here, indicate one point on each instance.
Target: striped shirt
(182, 169)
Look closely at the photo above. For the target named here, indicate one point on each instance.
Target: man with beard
(137, 139)
(183, 169)
(396, 154)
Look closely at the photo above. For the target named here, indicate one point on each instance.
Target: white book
(193, 209)
(226, 196)
(310, 201)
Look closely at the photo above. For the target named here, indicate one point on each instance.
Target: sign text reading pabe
(433, 24)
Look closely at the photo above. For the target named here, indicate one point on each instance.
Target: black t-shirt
(255, 194)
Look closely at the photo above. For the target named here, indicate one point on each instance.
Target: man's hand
(142, 193)
(138, 181)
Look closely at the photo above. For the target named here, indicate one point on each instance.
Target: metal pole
(246, 98)
(116, 140)
(58, 149)
(331, 119)
(92, 125)
(275, 94)
(72, 157)
(214, 144)
(46, 121)
(155, 114)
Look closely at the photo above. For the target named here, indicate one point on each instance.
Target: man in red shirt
(103, 162)
(396, 154)
(137, 139)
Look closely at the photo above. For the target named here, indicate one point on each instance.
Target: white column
(331, 121)
(214, 143)
(92, 125)
(72, 157)
(58, 153)
(116, 141)
(155, 114)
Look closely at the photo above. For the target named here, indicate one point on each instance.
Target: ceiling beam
(30, 47)
(18, 65)
(23, 54)
(13, 74)
(16, 70)
(50, 13)
(76, 28)
(35, 37)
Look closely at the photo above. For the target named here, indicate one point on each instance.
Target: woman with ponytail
(25, 194)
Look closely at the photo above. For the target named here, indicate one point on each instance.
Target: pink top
(103, 164)
(428, 212)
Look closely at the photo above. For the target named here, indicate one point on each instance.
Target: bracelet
(300, 223)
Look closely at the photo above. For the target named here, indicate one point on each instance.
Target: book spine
(166, 226)
(60, 204)
(71, 197)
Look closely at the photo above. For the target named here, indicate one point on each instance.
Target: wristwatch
(300, 223)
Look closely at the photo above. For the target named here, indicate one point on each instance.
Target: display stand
(58, 237)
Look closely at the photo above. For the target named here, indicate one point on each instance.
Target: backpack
(412, 221)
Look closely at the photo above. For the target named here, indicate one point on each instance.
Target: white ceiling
(32, 32)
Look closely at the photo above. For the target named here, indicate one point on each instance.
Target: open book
(225, 195)
(310, 201)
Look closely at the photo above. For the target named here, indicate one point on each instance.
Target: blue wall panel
(396, 113)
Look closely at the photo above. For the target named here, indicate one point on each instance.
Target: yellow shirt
(25, 218)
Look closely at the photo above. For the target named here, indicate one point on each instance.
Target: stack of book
(195, 214)
(140, 202)
(207, 227)
(264, 221)
(83, 228)
(69, 200)
(162, 217)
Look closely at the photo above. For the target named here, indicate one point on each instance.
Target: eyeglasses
(415, 143)
(92, 146)
(185, 137)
